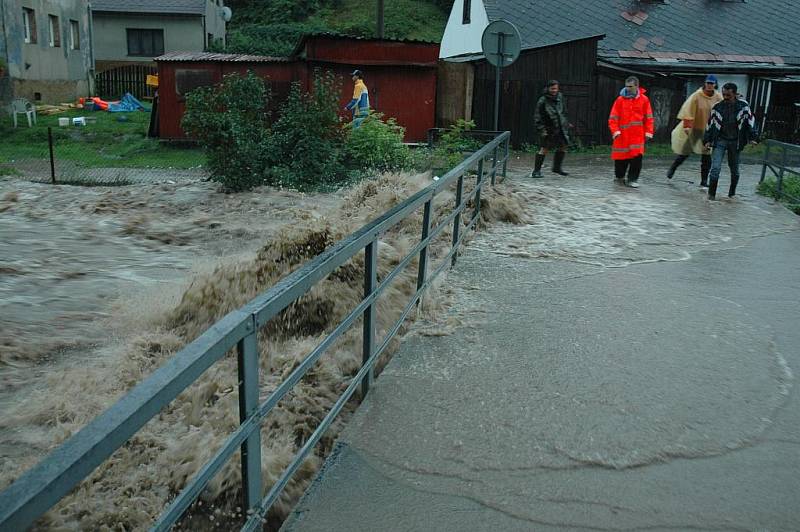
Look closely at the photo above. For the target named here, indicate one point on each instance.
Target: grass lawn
(115, 140)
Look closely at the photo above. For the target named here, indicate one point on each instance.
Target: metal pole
(422, 273)
(247, 355)
(766, 161)
(380, 19)
(505, 158)
(500, 59)
(370, 282)
(52, 159)
(779, 188)
(457, 220)
(478, 185)
(497, 98)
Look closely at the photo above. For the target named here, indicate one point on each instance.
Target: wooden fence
(113, 83)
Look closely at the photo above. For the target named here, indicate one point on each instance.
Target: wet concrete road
(625, 361)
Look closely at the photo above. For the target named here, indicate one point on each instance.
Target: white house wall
(461, 38)
(181, 34)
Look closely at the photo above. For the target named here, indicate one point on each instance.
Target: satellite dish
(226, 13)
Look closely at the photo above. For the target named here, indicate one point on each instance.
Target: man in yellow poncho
(687, 137)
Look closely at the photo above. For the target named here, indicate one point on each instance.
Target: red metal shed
(400, 75)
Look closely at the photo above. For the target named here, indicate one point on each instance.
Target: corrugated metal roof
(219, 58)
(756, 28)
(298, 49)
(362, 38)
(179, 7)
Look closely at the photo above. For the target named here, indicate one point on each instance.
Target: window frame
(141, 32)
(53, 31)
(466, 12)
(29, 25)
(74, 35)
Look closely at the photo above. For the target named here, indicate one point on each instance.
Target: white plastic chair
(21, 106)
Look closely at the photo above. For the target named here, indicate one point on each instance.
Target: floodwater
(99, 286)
(73, 258)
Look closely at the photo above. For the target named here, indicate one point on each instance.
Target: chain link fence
(95, 149)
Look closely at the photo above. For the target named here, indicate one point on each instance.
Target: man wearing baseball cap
(359, 105)
(687, 137)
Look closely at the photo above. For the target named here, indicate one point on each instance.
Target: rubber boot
(537, 165)
(675, 164)
(558, 160)
(705, 168)
(712, 189)
(732, 189)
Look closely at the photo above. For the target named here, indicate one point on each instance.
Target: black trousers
(705, 165)
(633, 167)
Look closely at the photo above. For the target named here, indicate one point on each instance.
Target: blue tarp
(126, 105)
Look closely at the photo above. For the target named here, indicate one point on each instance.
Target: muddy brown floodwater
(99, 286)
(72, 258)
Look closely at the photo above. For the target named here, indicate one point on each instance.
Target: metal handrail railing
(477, 134)
(42, 486)
(780, 169)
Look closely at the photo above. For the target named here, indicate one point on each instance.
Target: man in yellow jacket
(359, 105)
(687, 137)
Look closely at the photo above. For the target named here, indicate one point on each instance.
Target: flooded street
(102, 285)
(624, 360)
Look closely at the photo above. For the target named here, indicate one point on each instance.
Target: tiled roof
(755, 31)
(179, 7)
(221, 58)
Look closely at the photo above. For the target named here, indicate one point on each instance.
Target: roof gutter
(628, 70)
(686, 67)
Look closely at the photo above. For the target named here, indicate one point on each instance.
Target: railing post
(52, 158)
(494, 165)
(505, 158)
(457, 220)
(779, 187)
(766, 160)
(422, 273)
(247, 354)
(370, 282)
(478, 185)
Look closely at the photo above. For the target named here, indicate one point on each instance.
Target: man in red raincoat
(631, 123)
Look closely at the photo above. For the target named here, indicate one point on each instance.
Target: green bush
(453, 144)
(377, 144)
(231, 122)
(305, 149)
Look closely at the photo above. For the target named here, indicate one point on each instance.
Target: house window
(209, 41)
(145, 43)
(465, 17)
(29, 25)
(54, 32)
(74, 35)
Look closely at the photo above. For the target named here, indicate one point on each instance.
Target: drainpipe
(6, 59)
(90, 74)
